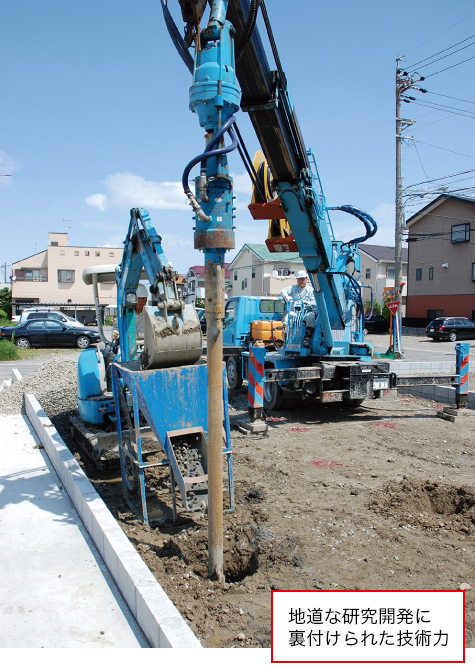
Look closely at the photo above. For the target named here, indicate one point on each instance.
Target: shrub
(8, 351)
(108, 321)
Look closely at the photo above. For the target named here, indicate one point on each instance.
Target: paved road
(421, 348)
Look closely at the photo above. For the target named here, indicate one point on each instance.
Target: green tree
(376, 307)
(6, 301)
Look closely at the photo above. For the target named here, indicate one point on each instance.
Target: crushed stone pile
(54, 384)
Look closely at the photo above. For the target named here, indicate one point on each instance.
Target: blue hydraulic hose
(209, 152)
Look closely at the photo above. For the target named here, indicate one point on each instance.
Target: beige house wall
(67, 258)
(451, 262)
(263, 283)
(379, 278)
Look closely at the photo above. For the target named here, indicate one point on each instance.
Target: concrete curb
(156, 615)
(438, 393)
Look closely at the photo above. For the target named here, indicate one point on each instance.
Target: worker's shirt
(294, 292)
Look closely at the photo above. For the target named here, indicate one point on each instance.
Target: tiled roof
(200, 270)
(262, 253)
(381, 252)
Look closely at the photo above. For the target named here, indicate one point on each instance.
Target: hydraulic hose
(369, 223)
(249, 29)
(209, 152)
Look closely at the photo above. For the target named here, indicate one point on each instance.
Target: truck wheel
(273, 396)
(234, 372)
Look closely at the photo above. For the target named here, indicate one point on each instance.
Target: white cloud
(127, 190)
(8, 166)
(98, 201)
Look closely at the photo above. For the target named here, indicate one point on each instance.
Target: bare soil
(378, 498)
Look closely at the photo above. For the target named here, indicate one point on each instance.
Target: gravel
(54, 384)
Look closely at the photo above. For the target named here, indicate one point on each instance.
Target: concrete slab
(56, 590)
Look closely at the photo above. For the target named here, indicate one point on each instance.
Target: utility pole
(404, 82)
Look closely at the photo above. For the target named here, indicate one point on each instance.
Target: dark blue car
(49, 333)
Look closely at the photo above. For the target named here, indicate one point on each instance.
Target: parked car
(47, 313)
(375, 324)
(451, 328)
(49, 333)
(202, 317)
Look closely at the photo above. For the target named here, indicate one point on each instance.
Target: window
(431, 273)
(32, 274)
(460, 233)
(86, 253)
(53, 326)
(253, 272)
(244, 284)
(418, 273)
(269, 306)
(368, 273)
(76, 253)
(65, 276)
(97, 253)
(37, 326)
(283, 271)
(111, 254)
(473, 272)
(54, 243)
(390, 272)
(235, 275)
(433, 314)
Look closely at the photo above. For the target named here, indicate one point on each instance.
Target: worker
(142, 297)
(303, 291)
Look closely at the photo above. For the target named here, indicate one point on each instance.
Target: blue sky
(95, 119)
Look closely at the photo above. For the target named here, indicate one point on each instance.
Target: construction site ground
(378, 498)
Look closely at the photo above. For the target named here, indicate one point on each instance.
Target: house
(257, 272)
(441, 275)
(377, 271)
(54, 277)
(195, 283)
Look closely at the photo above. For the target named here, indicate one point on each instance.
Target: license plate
(381, 383)
(431, 330)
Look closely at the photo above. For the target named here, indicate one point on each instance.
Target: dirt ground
(378, 498)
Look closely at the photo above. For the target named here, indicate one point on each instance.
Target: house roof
(434, 204)
(382, 252)
(199, 270)
(263, 254)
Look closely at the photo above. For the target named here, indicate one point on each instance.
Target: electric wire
(445, 56)
(441, 33)
(427, 76)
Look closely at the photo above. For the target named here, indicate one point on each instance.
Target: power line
(441, 107)
(451, 67)
(457, 99)
(441, 33)
(452, 175)
(446, 149)
(445, 56)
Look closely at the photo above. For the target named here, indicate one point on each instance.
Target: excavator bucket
(172, 339)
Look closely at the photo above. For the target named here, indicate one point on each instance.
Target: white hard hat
(301, 274)
(142, 291)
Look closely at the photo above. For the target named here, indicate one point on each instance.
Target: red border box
(339, 661)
